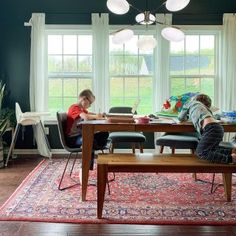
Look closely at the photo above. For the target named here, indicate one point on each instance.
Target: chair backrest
(62, 119)
(121, 110)
(18, 112)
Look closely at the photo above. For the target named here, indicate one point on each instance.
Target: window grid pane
(69, 69)
(192, 65)
(131, 76)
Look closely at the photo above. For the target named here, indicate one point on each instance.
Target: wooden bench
(146, 162)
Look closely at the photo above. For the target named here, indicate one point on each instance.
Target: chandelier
(171, 33)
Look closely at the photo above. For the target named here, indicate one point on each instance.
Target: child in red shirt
(78, 112)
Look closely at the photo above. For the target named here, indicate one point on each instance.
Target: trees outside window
(193, 65)
(131, 72)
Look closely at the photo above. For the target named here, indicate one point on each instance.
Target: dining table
(90, 127)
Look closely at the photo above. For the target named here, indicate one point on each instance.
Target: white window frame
(138, 30)
(207, 30)
(62, 30)
(74, 29)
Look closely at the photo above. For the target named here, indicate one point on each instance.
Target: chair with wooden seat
(126, 137)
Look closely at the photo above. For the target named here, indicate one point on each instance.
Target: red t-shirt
(73, 117)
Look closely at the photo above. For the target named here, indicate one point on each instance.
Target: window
(131, 75)
(70, 68)
(193, 64)
(131, 72)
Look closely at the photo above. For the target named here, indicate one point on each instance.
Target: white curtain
(37, 63)
(38, 84)
(227, 80)
(161, 67)
(100, 29)
(162, 63)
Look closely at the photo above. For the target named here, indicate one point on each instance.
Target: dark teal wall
(15, 38)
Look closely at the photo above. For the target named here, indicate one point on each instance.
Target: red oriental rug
(135, 199)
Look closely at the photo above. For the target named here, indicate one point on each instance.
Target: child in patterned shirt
(211, 132)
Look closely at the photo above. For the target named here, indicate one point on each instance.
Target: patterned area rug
(134, 199)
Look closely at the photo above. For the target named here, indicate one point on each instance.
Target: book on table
(119, 115)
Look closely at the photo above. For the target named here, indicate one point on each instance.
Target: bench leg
(101, 187)
(227, 179)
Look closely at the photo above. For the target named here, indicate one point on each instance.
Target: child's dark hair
(203, 98)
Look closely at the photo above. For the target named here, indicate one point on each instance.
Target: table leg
(227, 179)
(101, 188)
(87, 133)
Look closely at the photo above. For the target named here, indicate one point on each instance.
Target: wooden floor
(18, 169)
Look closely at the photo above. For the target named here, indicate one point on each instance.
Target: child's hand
(99, 116)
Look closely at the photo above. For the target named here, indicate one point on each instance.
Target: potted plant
(6, 121)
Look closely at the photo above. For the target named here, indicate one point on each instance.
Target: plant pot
(1, 155)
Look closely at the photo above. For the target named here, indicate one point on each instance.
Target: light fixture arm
(154, 11)
(140, 11)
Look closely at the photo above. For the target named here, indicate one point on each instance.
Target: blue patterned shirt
(196, 112)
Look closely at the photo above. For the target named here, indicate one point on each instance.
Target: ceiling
(197, 12)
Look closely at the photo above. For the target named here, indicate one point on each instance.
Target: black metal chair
(189, 141)
(62, 119)
(126, 137)
(231, 144)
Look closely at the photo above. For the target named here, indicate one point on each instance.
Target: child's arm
(183, 115)
(91, 116)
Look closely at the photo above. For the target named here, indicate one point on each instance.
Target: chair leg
(63, 174)
(133, 148)
(141, 147)
(13, 142)
(213, 182)
(73, 164)
(194, 174)
(108, 181)
(161, 149)
(108, 187)
(172, 150)
(112, 148)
